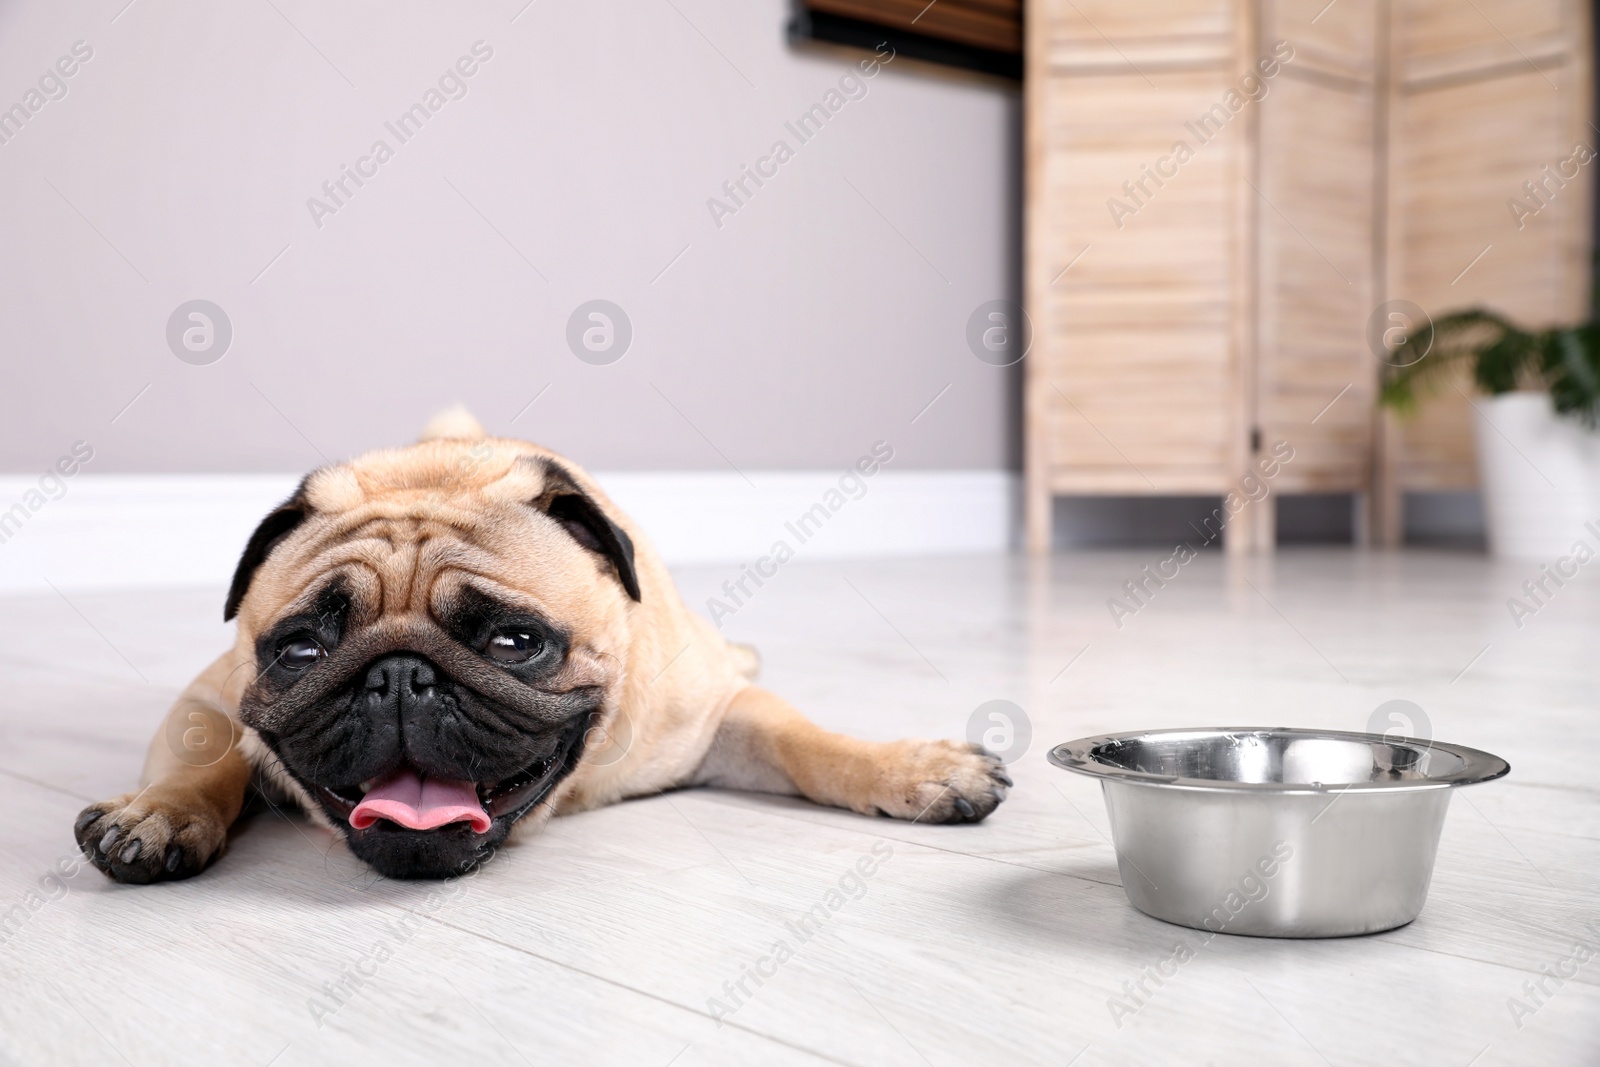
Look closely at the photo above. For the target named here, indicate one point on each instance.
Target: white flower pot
(1540, 476)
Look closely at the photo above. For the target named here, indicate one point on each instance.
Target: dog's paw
(942, 782)
(150, 836)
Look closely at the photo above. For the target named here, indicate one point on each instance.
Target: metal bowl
(1275, 832)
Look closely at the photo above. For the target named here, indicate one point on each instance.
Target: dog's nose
(403, 704)
(401, 678)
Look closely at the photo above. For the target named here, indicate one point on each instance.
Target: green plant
(1564, 361)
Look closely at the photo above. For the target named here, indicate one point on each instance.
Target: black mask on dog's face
(424, 740)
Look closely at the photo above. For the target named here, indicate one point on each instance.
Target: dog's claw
(964, 806)
(1002, 777)
(161, 839)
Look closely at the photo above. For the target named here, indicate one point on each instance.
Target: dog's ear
(274, 528)
(565, 501)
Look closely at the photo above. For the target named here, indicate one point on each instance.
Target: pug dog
(442, 643)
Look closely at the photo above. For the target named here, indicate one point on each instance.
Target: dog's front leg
(764, 744)
(194, 784)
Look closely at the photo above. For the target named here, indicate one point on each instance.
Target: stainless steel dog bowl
(1276, 832)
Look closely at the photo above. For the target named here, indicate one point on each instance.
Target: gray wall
(822, 316)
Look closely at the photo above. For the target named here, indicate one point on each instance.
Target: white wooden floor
(604, 940)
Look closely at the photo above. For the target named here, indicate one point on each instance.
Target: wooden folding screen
(1221, 194)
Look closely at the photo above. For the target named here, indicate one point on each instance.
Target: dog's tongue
(419, 803)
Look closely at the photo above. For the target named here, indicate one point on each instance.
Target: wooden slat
(1086, 52)
(1124, 23)
(1545, 53)
(1429, 28)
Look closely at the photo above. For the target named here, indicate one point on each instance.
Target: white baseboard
(141, 530)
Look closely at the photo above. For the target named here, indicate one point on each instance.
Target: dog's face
(435, 632)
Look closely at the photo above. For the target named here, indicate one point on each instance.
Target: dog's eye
(300, 653)
(513, 646)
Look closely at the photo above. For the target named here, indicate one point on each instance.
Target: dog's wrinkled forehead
(404, 527)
